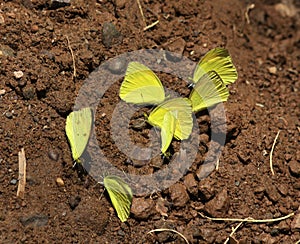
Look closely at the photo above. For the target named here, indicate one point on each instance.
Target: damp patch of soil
(48, 50)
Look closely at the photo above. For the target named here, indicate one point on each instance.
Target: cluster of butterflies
(173, 116)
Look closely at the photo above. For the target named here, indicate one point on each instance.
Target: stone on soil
(142, 208)
(191, 184)
(294, 167)
(179, 195)
(36, 220)
(219, 205)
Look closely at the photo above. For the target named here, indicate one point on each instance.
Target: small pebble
(13, 181)
(294, 167)
(18, 74)
(2, 92)
(53, 155)
(59, 181)
(272, 70)
(117, 66)
(8, 115)
(28, 92)
(74, 201)
(34, 28)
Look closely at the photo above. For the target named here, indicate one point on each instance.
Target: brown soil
(33, 109)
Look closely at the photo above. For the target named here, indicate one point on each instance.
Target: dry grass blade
(22, 174)
(271, 153)
(249, 219)
(218, 164)
(73, 58)
(150, 26)
(142, 13)
(249, 7)
(160, 230)
(233, 231)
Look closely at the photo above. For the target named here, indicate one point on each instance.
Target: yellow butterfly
(120, 195)
(218, 60)
(173, 117)
(208, 91)
(167, 131)
(141, 86)
(78, 129)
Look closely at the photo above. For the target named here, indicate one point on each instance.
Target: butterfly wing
(141, 86)
(181, 110)
(78, 129)
(120, 195)
(208, 91)
(219, 60)
(167, 131)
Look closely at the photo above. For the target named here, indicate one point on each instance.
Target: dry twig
(22, 174)
(271, 153)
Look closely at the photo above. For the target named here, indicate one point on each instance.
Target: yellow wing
(141, 86)
(78, 129)
(182, 112)
(167, 131)
(120, 195)
(219, 60)
(208, 91)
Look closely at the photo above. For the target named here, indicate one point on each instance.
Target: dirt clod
(219, 205)
(74, 201)
(110, 34)
(294, 167)
(191, 184)
(179, 195)
(142, 208)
